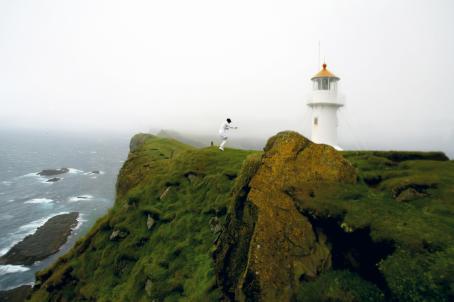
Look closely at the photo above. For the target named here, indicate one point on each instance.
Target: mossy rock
(268, 245)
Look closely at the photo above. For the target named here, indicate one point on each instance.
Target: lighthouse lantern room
(325, 102)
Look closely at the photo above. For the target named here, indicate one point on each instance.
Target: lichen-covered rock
(164, 194)
(148, 287)
(118, 235)
(150, 222)
(215, 224)
(268, 245)
(410, 194)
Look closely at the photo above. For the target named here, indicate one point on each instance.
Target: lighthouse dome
(324, 73)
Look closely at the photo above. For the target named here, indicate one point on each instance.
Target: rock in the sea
(52, 172)
(46, 241)
(268, 246)
(54, 179)
(18, 294)
(95, 172)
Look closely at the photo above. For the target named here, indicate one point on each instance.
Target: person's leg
(224, 141)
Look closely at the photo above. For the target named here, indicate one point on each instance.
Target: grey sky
(133, 65)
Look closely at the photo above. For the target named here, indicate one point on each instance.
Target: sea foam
(39, 201)
(9, 269)
(80, 198)
(74, 171)
(80, 221)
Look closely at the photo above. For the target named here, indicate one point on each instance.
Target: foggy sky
(128, 66)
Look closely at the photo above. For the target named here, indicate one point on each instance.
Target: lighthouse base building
(325, 103)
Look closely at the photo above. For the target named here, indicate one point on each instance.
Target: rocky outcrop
(268, 246)
(18, 294)
(138, 140)
(54, 179)
(46, 241)
(52, 172)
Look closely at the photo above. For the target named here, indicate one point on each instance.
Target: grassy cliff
(385, 234)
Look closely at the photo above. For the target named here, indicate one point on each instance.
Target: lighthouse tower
(324, 102)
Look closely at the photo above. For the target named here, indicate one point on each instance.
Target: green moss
(341, 286)
(420, 276)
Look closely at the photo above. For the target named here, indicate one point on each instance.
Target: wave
(32, 283)
(7, 182)
(45, 181)
(74, 171)
(9, 269)
(39, 201)
(80, 221)
(33, 174)
(95, 172)
(77, 198)
(25, 230)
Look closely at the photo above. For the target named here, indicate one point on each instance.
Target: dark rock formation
(52, 172)
(18, 294)
(268, 246)
(54, 179)
(46, 241)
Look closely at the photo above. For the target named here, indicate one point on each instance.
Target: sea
(27, 200)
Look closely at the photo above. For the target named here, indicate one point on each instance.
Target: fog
(129, 66)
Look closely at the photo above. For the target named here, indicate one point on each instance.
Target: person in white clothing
(225, 126)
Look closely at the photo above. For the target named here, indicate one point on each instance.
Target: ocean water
(27, 201)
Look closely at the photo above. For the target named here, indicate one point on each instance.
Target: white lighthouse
(324, 102)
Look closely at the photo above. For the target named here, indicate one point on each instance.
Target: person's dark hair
(229, 120)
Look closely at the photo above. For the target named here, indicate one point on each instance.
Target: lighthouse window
(315, 120)
(325, 85)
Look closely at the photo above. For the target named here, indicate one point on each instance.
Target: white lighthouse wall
(324, 124)
(325, 97)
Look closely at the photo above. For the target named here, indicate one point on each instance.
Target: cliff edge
(296, 222)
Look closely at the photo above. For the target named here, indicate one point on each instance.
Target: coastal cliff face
(296, 222)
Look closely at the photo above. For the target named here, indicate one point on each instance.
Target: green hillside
(389, 235)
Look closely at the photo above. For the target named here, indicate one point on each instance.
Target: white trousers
(224, 139)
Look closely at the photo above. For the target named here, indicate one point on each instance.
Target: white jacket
(225, 126)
